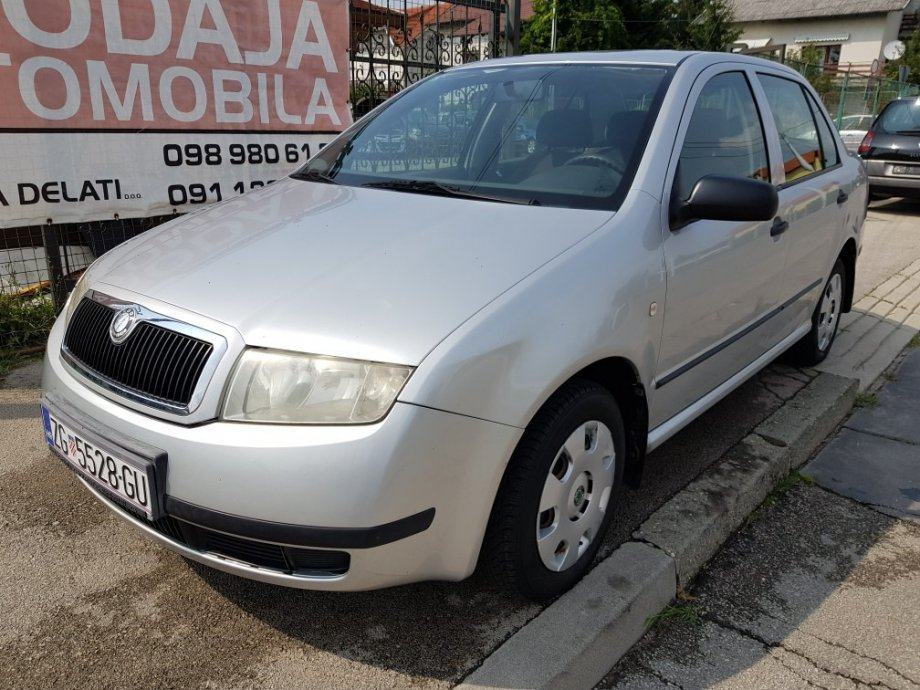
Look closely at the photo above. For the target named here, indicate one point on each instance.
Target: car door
(812, 192)
(723, 278)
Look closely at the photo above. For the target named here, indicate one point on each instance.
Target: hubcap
(830, 311)
(575, 495)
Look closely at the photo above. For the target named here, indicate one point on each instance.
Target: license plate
(104, 467)
(905, 170)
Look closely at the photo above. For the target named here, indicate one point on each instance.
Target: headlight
(76, 295)
(289, 388)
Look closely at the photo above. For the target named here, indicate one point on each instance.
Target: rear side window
(795, 122)
(828, 144)
(725, 136)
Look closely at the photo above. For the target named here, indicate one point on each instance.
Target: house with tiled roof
(851, 34)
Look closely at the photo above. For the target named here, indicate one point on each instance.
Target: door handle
(779, 227)
(842, 196)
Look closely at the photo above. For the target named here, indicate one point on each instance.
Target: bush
(25, 320)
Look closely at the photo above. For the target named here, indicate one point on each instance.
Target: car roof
(667, 58)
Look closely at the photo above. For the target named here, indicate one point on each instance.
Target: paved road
(822, 589)
(88, 602)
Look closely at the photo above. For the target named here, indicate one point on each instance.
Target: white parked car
(397, 364)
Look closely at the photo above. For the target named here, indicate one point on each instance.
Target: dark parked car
(891, 149)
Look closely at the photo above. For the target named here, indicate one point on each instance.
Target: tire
(817, 343)
(586, 479)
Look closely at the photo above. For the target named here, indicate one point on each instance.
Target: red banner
(174, 65)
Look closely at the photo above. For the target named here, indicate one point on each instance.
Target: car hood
(344, 271)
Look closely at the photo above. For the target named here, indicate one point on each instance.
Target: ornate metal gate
(394, 43)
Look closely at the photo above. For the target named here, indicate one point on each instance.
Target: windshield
(900, 117)
(560, 135)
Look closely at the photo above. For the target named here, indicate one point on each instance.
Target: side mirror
(720, 197)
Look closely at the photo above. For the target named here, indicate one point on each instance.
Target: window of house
(831, 55)
(725, 136)
(795, 123)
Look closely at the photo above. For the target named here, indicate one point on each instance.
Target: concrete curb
(575, 641)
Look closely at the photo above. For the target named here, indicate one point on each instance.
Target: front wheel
(815, 346)
(556, 499)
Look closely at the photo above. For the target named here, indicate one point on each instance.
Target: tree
(703, 25)
(647, 23)
(632, 24)
(812, 59)
(911, 59)
(580, 25)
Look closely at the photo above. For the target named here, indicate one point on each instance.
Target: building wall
(868, 33)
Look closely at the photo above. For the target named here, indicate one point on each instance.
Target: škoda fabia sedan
(434, 347)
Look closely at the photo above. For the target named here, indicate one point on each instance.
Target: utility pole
(552, 37)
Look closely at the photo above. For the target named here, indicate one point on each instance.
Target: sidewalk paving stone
(873, 470)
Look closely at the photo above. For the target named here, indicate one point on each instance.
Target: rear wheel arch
(848, 257)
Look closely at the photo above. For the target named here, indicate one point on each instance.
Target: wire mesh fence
(39, 265)
(853, 99)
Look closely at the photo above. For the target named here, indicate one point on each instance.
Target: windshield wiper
(908, 131)
(314, 176)
(439, 189)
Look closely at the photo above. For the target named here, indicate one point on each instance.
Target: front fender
(590, 303)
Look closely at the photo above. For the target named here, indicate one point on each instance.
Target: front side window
(725, 136)
(559, 135)
(798, 133)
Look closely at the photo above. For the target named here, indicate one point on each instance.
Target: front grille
(153, 361)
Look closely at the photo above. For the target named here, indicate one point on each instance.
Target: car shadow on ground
(896, 205)
(442, 631)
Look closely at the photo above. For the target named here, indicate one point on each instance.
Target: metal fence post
(512, 27)
(53, 260)
(843, 98)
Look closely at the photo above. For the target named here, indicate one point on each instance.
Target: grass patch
(865, 400)
(24, 320)
(11, 360)
(915, 341)
(790, 481)
(676, 614)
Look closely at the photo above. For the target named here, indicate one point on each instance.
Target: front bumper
(341, 488)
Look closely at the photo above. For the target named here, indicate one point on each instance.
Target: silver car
(398, 364)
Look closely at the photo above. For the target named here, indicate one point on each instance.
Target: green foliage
(911, 58)
(866, 400)
(11, 360)
(703, 25)
(647, 23)
(630, 24)
(812, 68)
(580, 25)
(790, 481)
(24, 321)
(685, 613)
(914, 342)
